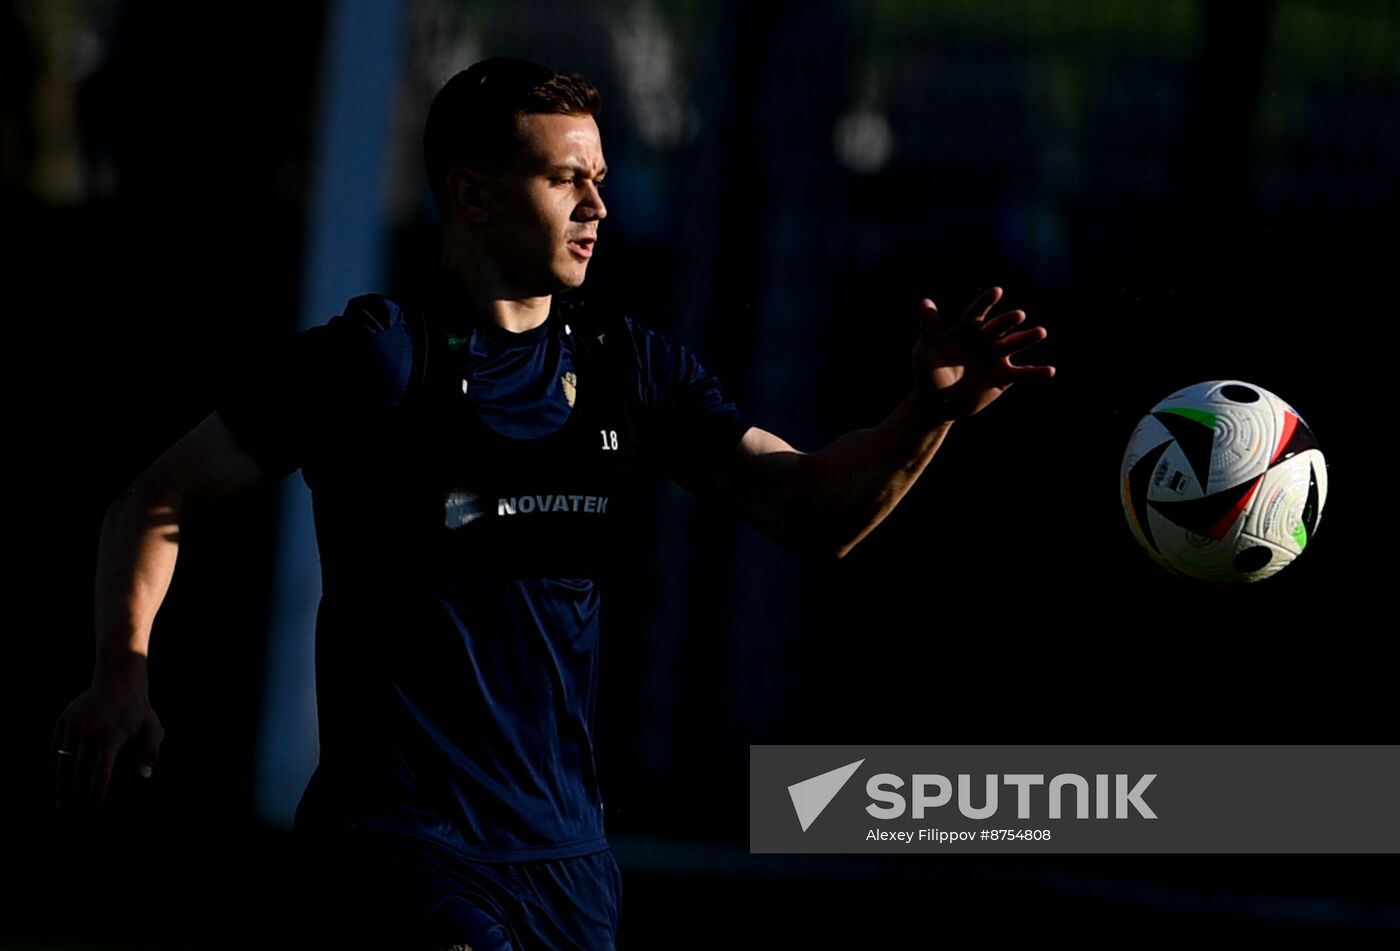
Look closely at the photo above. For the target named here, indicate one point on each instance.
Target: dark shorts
(402, 893)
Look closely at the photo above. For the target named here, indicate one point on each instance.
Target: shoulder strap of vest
(603, 336)
(419, 329)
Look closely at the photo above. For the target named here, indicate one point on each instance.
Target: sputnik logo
(811, 796)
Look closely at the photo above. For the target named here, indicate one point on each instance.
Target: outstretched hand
(962, 367)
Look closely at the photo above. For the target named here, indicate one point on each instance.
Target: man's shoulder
(372, 342)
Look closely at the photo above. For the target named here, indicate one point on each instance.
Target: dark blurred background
(1179, 190)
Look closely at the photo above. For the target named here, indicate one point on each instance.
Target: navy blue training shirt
(462, 477)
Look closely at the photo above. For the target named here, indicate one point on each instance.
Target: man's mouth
(582, 247)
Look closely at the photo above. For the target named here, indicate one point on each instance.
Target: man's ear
(464, 190)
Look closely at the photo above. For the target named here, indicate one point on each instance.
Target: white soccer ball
(1223, 481)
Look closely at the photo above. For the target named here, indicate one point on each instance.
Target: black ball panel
(1253, 558)
(1239, 393)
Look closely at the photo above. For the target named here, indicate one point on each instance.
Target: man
(464, 451)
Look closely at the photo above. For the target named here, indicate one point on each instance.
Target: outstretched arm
(831, 499)
(135, 562)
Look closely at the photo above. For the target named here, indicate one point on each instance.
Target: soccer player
(464, 451)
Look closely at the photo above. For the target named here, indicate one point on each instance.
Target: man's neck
(516, 316)
(511, 313)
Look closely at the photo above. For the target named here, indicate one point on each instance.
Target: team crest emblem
(570, 384)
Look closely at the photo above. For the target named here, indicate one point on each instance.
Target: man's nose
(592, 206)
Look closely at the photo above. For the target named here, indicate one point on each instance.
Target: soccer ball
(1223, 481)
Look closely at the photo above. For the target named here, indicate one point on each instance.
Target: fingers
(79, 797)
(100, 779)
(1020, 340)
(62, 762)
(1003, 322)
(84, 789)
(1029, 372)
(928, 317)
(150, 750)
(1012, 343)
(1009, 344)
(977, 311)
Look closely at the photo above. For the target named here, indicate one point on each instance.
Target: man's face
(543, 213)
